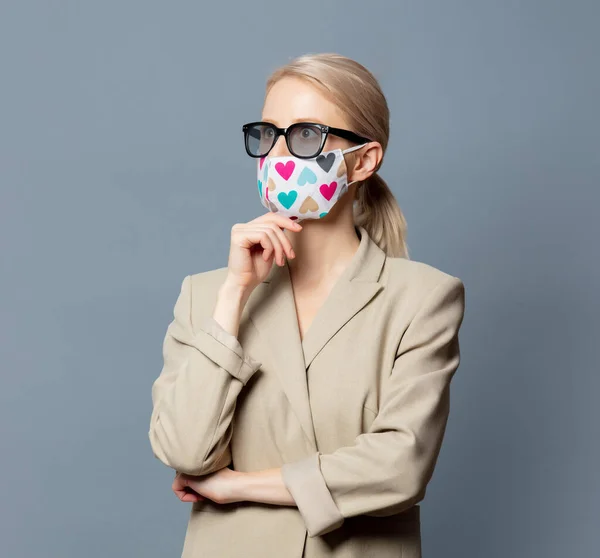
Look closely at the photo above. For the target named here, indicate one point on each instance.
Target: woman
(305, 388)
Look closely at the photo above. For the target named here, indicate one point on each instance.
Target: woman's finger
(284, 242)
(184, 491)
(276, 241)
(185, 496)
(283, 222)
(246, 238)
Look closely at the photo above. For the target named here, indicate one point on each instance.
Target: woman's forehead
(295, 100)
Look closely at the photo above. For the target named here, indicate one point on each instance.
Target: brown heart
(309, 205)
(342, 169)
(271, 185)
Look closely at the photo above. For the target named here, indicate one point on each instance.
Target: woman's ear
(365, 161)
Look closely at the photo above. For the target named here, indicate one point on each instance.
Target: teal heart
(260, 188)
(287, 200)
(265, 172)
(321, 215)
(307, 176)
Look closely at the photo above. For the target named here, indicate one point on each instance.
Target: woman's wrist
(230, 303)
(266, 487)
(231, 289)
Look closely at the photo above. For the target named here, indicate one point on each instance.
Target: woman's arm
(227, 486)
(194, 397)
(388, 468)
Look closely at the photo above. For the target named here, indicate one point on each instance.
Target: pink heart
(285, 170)
(261, 163)
(328, 190)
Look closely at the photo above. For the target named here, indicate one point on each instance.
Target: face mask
(303, 188)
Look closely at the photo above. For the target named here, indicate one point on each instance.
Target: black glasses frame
(286, 132)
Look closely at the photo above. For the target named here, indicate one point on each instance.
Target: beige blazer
(354, 414)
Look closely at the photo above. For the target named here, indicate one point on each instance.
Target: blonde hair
(359, 96)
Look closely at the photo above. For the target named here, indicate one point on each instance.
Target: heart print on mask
(303, 188)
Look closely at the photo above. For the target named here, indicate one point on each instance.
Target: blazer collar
(272, 310)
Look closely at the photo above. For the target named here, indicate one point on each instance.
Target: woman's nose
(280, 148)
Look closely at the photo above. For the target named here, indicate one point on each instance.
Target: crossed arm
(385, 471)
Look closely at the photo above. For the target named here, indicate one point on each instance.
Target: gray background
(122, 170)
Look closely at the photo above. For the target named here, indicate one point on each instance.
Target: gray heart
(326, 161)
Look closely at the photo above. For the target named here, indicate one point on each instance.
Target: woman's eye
(307, 133)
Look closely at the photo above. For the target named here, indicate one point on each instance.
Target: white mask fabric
(303, 188)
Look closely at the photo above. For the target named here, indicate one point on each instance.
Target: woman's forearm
(266, 487)
(230, 303)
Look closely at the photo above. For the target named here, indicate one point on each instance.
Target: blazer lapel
(272, 310)
(273, 313)
(353, 290)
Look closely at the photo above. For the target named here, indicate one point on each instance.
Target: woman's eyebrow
(294, 121)
(309, 119)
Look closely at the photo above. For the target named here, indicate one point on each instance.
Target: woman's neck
(323, 250)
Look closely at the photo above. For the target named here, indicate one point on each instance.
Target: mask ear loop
(349, 150)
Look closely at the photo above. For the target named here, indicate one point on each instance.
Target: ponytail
(377, 210)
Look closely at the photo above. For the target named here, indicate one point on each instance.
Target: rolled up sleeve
(194, 397)
(388, 468)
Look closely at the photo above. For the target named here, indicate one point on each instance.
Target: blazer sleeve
(194, 397)
(387, 469)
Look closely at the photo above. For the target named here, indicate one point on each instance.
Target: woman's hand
(183, 490)
(226, 486)
(254, 245)
(221, 487)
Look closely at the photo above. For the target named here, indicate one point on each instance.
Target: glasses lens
(305, 140)
(259, 139)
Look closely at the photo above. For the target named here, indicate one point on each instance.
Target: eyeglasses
(304, 140)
